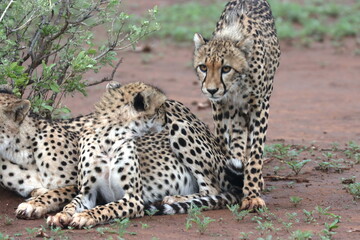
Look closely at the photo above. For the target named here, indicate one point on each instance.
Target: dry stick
(286, 178)
(106, 79)
(7, 7)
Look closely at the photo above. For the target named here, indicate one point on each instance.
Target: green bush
(47, 46)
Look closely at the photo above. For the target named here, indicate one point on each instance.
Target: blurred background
(316, 94)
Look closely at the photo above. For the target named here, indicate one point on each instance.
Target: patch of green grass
(353, 152)
(239, 215)
(331, 164)
(195, 216)
(309, 216)
(119, 227)
(301, 235)
(8, 220)
(280, 151)
(312, 21)
(354, 189)
(4, 236)
(296, 166)
(295, 200)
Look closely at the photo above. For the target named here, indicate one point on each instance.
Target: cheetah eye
(225, 69)
(203, 67)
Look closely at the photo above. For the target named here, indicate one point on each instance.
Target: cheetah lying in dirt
(136, 149)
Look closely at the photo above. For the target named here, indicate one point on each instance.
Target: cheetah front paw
(83, 219)
(173, 199)
(252, 203)
(30, 210)
(61, 219)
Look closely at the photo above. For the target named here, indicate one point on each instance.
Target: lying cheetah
(37, 155)
(179, 165)
(236, 69)
(126, 169)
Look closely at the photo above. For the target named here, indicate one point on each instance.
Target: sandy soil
(315, 103)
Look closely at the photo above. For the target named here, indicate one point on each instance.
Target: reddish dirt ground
(315, 103)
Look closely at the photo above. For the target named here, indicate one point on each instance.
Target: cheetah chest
(110, 164)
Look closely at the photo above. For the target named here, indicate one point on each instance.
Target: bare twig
(7, 7)
(286, 178)
(107, 79)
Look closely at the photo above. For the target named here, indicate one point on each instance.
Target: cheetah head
(12, 113)
(220, 64)
(137, 103)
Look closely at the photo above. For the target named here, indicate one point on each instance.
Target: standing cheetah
(236, 70)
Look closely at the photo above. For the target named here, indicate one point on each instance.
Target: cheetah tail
(210, 202)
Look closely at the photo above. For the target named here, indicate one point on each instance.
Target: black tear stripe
(222, 82)
(221, 77)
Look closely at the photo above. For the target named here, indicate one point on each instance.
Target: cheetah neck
(229, 116)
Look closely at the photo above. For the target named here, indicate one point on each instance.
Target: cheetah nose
(212, 91)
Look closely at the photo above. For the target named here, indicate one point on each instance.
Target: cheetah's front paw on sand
(83, 219)
(61, 219)
(30, 210)
(252, 203)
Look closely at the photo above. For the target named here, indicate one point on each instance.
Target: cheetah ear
(113, 85)
(245, 45)
(18, 110)
(199, 41)
(139, 103)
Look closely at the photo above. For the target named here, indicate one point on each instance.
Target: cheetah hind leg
(39, 205)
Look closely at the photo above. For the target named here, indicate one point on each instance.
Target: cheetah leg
(183, 198)
(78, 204)
(128, 207)
(254, 182)
(52, 200)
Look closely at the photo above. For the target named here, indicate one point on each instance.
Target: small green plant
(266, 213)
(309, 216)
(268, 237)
(122, 225)
(144, 226)
(301, 235)
(291, 184)
(265, 226)
(295, 200)
(354, 189)
(239, 215)
(291, 216)
(8, 220)
(151, 212)
(348, 180)
(119, 227)
(322, 211)
(276, 170)
(195, 216)
(332, 164)
(32, 231)
(245, 236)
(103, 230)
(5, 237)
(353, 152)
(329, 229)
(277, 150)
(287, 225)
(269, 189)
(296, 166)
